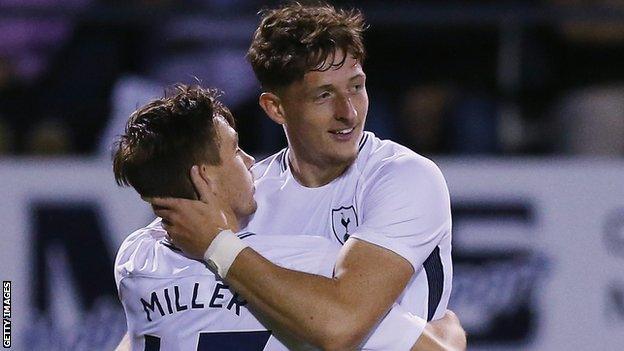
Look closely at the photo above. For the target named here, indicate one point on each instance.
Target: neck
(314, 174)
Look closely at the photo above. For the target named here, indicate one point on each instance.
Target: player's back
(176, 303)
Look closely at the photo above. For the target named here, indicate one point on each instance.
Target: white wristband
(223, 251)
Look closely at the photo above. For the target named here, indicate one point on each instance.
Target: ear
(273, 107)
(205, 179)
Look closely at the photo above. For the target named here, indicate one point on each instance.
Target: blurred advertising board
(538, 249)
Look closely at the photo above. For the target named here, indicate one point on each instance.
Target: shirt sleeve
(405, 208)
(128, 291)
(398, 330)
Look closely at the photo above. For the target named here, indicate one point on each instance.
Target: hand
(445, 334)
(125, 344)
(192, 224)
(449, 330)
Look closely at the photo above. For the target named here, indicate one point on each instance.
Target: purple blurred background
(452, 78)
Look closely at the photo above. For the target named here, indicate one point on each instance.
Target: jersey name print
(174, 301)
(390, 196)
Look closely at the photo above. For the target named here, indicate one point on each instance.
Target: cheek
(244, 182)
(238, 197)
(317, 124)
(306, 131)
(362, 104)
(311, 125)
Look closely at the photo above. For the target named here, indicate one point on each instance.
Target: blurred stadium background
(521, 103)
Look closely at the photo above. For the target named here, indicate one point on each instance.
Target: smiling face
(232, 177)
(324, 113)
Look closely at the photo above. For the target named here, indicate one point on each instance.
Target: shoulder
(137, 249)
(402, 195)
(386, 162)
(144, 253)
(271, 165)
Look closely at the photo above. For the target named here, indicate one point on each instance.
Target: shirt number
(244, 340)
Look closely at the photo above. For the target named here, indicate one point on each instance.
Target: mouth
(343, 131)
(343, 134)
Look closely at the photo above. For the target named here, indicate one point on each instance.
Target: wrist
(222, 252)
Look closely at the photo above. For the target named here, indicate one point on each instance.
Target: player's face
(325, 113)
(233, 176)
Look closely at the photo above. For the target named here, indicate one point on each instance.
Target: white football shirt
(390, 196)
(172, 302)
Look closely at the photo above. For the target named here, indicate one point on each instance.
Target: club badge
(344, 222)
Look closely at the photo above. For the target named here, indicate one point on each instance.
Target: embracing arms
(332, 313)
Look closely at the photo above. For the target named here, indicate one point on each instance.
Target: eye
(323, 96)
(357, 87)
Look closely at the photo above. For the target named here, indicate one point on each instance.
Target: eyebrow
(235, 140)
(359, 75)
(323, 87)
(331, 86)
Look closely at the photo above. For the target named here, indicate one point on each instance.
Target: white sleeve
(129, 292)
(405, 208)
(398, 330)
(305, 253)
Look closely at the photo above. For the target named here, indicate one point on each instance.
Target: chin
(247, 209)
(251, 209)
(344, 157)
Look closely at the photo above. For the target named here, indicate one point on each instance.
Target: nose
(344, 109)
(248, 159)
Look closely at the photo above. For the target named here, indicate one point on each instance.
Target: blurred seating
(476, 77)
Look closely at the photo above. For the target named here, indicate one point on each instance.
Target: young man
(389, 206)
(173, 302)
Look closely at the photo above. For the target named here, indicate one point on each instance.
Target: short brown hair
(295, 39)
(165, 138)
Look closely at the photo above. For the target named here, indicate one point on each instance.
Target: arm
(398, 330)
(269, 289)
(331, 313)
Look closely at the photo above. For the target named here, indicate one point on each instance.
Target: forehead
(225, 132)
(332, 75)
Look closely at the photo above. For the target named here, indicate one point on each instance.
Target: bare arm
(332, 313)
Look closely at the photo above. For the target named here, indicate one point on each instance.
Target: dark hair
(295, 39)
(165, 138)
